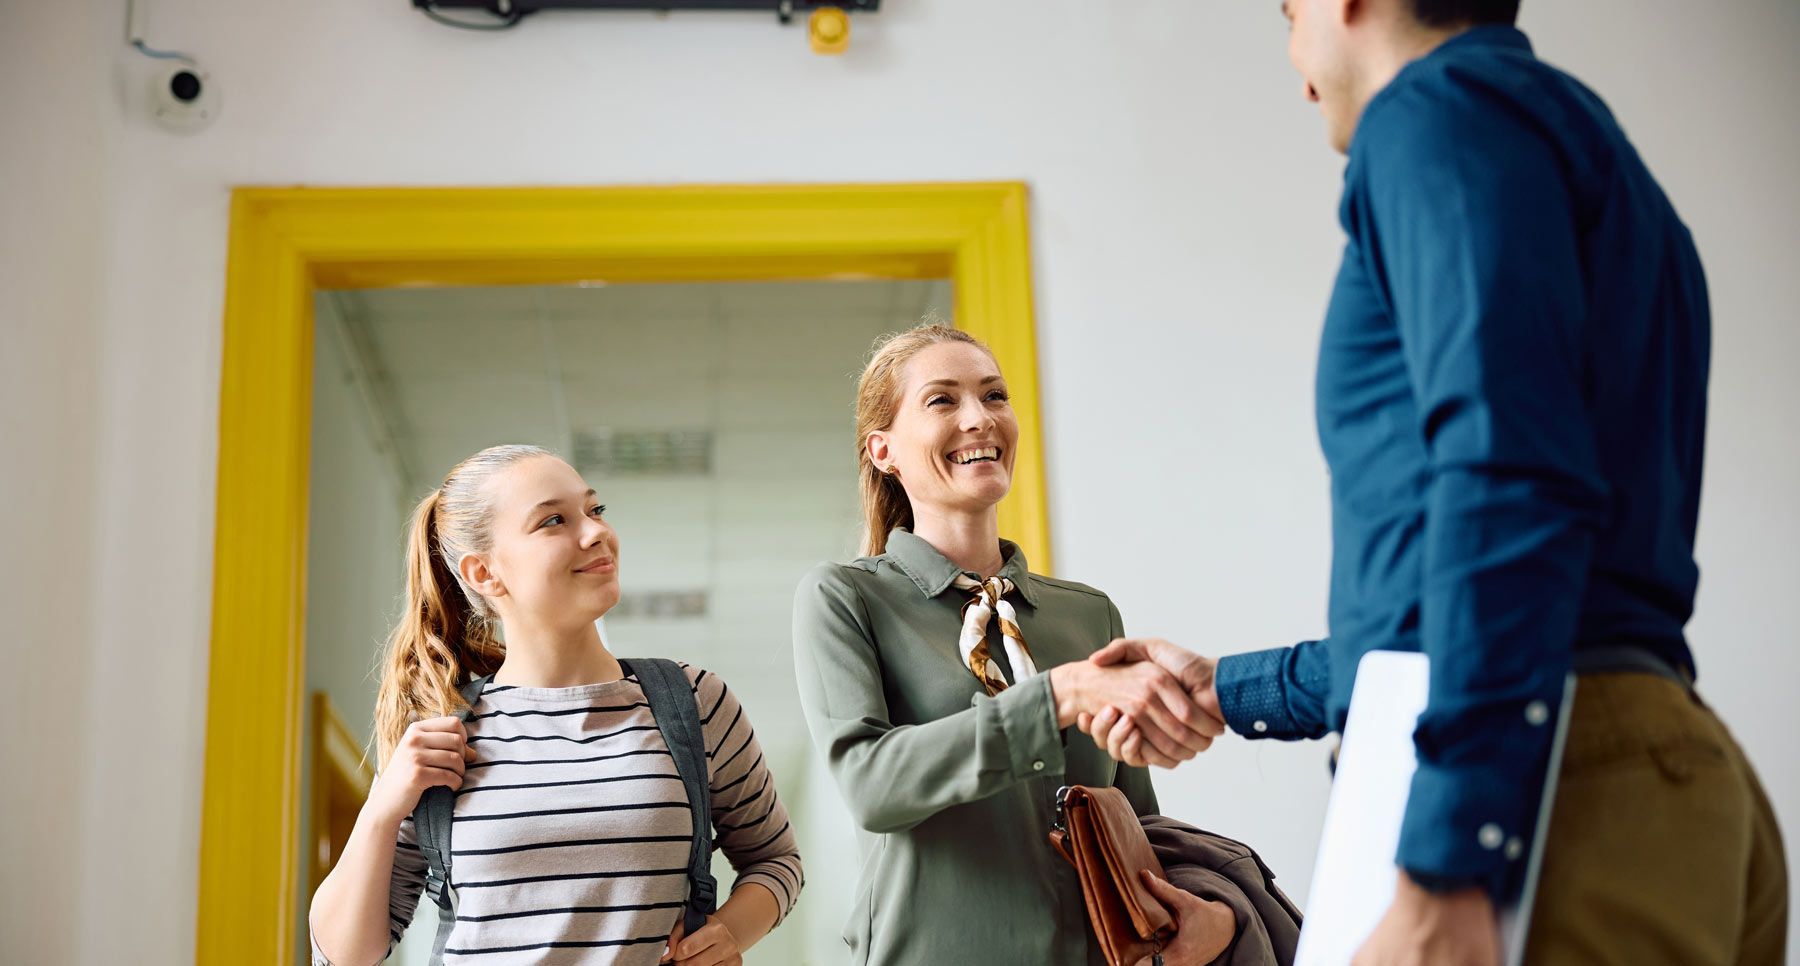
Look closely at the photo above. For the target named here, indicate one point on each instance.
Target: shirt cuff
(1028, 719)
(1470, 824)
(1277, 693)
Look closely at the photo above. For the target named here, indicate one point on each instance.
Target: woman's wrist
(749, 914)
(380, 819)
(1067, 690)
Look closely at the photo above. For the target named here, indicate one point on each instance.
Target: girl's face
(554, 560)
(953, 437)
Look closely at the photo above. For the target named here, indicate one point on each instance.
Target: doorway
(289, 244)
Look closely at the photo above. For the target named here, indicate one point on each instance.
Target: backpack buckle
(705, 895)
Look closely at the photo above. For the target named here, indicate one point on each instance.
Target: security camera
(183, 97)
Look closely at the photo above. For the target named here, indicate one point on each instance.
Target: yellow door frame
(287, 242)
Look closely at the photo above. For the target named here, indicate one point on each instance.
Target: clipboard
(1353, 883)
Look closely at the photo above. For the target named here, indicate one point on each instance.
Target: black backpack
(677, 717)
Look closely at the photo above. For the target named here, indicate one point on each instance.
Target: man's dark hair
(1457, 13)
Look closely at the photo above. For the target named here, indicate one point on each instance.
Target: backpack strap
(677, 713)
(431, 826)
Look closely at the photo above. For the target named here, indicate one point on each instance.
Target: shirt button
(1490, 836)
(1260, 727)
(1514, 849)
(1037, 766)
(1536, 713)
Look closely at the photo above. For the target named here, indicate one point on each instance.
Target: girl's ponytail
(446, 634)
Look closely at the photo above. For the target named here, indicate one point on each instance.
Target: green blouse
(954, 791)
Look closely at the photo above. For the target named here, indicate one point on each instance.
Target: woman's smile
(602, 565)
(975, 456)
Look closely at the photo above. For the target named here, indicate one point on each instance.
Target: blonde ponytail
(447, 634)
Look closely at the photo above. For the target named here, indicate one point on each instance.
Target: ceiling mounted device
(828, 21)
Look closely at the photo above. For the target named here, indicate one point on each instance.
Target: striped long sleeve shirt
(571, 831)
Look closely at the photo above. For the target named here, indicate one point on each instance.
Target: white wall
(1185, 239)
(52, 243)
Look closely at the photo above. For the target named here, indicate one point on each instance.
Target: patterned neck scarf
(990, 598)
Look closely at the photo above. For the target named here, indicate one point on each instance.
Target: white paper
(1354, 881)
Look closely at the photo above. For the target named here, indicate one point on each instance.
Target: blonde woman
(571, 832)
(940, 677)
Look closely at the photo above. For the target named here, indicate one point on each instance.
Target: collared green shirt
(953, 790)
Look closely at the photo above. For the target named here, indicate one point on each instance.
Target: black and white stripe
(572, 829)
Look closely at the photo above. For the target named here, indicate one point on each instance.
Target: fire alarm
(829, 30)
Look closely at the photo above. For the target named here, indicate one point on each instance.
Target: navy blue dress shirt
(1511, 398)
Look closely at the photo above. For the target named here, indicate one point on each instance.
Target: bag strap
(431, 826)
(677, 713)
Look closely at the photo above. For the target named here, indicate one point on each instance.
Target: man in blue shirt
(1511, 397)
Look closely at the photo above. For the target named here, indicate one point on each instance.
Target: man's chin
(1338, 134)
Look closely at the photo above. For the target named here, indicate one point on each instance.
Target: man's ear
(480, 577)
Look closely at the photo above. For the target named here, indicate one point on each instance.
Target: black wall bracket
(514, 10)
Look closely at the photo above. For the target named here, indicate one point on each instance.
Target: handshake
(1145, 701)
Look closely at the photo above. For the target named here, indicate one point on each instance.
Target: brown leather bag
(1099, 833)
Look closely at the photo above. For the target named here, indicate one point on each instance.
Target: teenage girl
(571, 830)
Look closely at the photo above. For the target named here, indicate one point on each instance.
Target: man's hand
(1119, 730)
(1193, 671)
(1425, 929)
(1170, 728)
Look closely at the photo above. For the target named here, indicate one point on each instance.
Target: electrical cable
(161, 54)
(507, 22)
(137, 43)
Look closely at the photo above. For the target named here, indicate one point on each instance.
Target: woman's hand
(431, 752)
(711, 945)
(1195, 672)
(1169, 727)
(1117, 729)
(1203, 928)
(349, 913)
(1118, 735)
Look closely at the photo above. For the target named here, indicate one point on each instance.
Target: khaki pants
(1662, 846)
